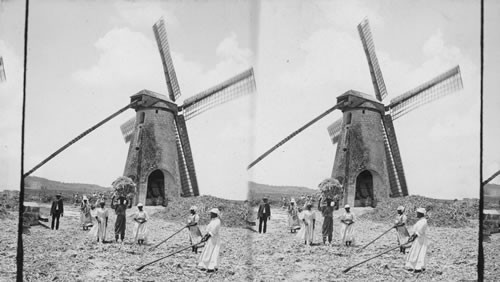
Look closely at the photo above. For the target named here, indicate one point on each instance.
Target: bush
(233, 213)
(442, 213)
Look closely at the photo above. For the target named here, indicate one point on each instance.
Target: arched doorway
(156, 188)
(364, 190)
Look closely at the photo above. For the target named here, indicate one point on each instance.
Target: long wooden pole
(171, 254)
(74, 140)
(152, 248)
(384, 252)
(375, 239)
(292, 135)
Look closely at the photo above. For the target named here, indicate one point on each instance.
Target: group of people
(211, 242)
(304, 219)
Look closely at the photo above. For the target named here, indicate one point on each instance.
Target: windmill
(368, 161)
(159, 158)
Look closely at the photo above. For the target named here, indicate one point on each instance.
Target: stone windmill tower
(367, 160)
(159, 158)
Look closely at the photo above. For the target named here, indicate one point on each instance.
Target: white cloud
(140, 14)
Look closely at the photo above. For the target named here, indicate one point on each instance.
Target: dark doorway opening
(364, 190)
(156, 189)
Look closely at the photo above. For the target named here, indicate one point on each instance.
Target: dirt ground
(68, 255)
(279, 255)
(491, 260)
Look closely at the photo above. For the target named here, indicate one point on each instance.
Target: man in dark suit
(56, 210)
(264, 214)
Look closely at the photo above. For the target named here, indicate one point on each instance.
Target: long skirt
(194, 235)
(327, 228)
(347, 233)
(306, 233)
(140, 231)
(403, 234)
(417, 257)
(209, 258)
(293, 222)
(86, 219)
(120, 225)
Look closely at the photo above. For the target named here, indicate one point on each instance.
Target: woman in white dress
(308, 218)
(209, 258)
(98, 231)
(347, 228)
(417, 257)
(293, 216)
(140, 228)
(194, 230)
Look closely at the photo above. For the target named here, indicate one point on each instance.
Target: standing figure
(85, 216)
(264, 214)
(402, 232)
(327, 228)
(293, 216)
(416, 258)
(121, 220)
(209, 258)
(140, 228)
(101, 216)
(306, 233)
(347, 229)
(56, 211)
(194, 230)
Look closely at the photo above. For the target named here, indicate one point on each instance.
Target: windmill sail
(334, 130)
(398, 181)
(168, 67)
(183, 171)
(127, 129)
(436, 88)
(237, 86)
(192, 184)
(377, 79)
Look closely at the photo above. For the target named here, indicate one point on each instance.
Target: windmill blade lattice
(190, 186)
(127, 129)
(237, 86)
(334, 130)
(397, 178)
(377, 79)
(168, 67)
(436, 88)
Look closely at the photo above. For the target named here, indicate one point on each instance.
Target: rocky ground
(279, 255)
(68, 255)
(491, 260)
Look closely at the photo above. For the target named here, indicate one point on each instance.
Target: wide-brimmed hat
(292, 200)
(193, 208)
(421, 210)
(401, 208)
(215, 210)
(84, 198)
(58, 195)
(347, 207)
(140, 205)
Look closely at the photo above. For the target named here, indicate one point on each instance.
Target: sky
(491, 97)
(304, 53)
(309, 53)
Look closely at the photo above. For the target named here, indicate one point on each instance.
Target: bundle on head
(331, 189)
(124, 187)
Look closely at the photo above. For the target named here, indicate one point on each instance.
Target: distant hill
(491, 196)
(36, 183)
(275, 193)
